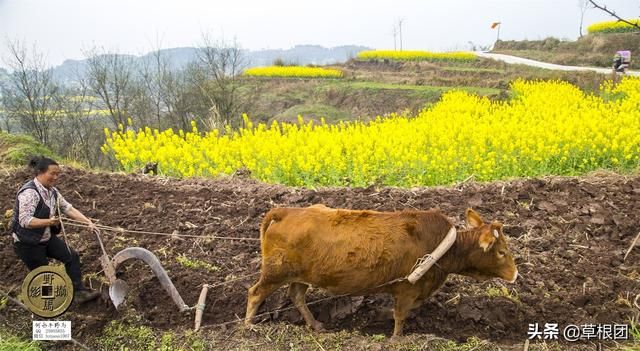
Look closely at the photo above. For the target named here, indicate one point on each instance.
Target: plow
(118, 288)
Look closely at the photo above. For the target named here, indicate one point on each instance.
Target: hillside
(16, 149)
(179, 58)
(376, 88)
(590, 50)
(373, 88)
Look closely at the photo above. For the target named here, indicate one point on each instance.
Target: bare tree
(216, 77)
(111, 76)
(394, 32)
(154, 70)
(82, 126)
(172, 98)
(30, 95)
(183, 101)
(400, 20)
(584, 6)
(612, 13)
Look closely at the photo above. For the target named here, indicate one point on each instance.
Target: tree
(216, 77)
(81, 126)
(166, 89)
(30, 96)
(154, 71)
(584, 6)
(613, 14)
(184, 101)
(112, 78)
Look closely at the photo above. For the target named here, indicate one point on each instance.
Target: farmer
(36, 223)
(617, 63)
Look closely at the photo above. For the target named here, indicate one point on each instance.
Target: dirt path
(523, 61)
(569, 236)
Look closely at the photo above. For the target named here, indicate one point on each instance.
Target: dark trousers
(35, 256)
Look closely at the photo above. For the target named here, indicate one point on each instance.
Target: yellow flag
(494, 24)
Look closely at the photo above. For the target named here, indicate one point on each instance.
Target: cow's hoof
(318, 327)
(250, 327)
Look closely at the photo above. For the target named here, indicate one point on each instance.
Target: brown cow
(357, 252)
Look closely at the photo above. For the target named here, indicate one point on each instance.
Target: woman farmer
(35, 225)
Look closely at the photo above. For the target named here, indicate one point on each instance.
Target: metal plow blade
(117, 292)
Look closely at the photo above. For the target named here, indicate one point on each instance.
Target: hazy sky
(62, 28)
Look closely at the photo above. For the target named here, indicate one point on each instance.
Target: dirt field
(569, 236)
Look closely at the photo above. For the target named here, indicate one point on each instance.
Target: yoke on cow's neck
(455, 260)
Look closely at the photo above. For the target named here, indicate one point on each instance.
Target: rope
(397, 280)
(211, 286)
(274, 311)
(64, 232)
(25, 308)
(423, 259)
(75, 223)
(232, 280)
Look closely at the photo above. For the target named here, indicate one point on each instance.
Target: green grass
(473, 69)
(313, 110)
(126, 336)
(503, 292)
(195, 264)
(130, 333)
(10, 342)
(415, 88)
(634, 333)
(17, 149)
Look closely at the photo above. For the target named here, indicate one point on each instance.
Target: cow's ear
(473, 219)
(487, 239)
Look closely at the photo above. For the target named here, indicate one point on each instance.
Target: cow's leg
(387, 313)
(297, 293)
(404, 304)
(416, 304)
(257, 294)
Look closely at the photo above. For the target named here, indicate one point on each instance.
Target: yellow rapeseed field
(546, 128)
(416, 55)
(614, 27)
(293, 72)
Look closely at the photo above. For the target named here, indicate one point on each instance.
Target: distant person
(617, 63)
(35, 225)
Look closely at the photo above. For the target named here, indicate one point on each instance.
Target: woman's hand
(53, 222)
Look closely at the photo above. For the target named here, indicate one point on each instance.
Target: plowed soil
(569, 237)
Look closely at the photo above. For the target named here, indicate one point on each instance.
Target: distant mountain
(305, 54)
(180, 57)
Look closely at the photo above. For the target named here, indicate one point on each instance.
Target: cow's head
(490, 256)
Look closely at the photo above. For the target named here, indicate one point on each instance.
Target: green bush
(17, 149)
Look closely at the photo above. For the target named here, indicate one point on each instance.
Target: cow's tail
(272, 216)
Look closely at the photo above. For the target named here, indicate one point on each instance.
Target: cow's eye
(501, 253)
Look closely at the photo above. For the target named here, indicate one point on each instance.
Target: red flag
(494, 24)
